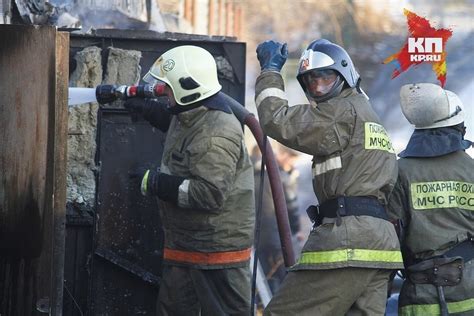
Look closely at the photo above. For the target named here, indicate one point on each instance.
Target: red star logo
(424, 36)
(304, 64)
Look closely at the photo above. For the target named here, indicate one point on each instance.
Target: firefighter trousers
(190, 291)
(345, 291)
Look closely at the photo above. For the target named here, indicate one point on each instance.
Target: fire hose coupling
(107, 93)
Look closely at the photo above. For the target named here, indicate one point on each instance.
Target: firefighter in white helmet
(204, 187)
(434, 199)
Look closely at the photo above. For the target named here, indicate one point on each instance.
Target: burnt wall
(33, 121)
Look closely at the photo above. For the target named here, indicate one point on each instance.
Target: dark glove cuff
(148, 106)
(165, 186)
(156, 112)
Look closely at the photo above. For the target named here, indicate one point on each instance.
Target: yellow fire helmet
(190, 71)
(427, 105)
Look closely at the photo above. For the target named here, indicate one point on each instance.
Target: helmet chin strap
(335, 90)
(359, 89)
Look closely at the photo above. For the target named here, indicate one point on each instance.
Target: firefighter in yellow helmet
(434, 198)
(204, 187)
(345, 265)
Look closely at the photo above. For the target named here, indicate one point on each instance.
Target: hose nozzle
(107, 93)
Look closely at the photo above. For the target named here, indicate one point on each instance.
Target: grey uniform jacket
(212, 225)
(352, 156)
(434, 197)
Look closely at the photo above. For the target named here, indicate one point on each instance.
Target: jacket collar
(215, 102)
(434, 143)
(188, 118)
(346, 92)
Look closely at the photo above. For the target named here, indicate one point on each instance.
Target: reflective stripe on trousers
(342, 255)
(433, 309)
(207, 257)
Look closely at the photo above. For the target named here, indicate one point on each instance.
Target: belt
(440, 272)
(464, 249)
(347, 206)
(444, 275)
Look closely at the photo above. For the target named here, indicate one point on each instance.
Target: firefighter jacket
(352, 156)
(434, 198)
(212, 224)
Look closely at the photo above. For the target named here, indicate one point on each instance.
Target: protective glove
(155, 111)
(138, 105)
(163, 185)
(272, 55)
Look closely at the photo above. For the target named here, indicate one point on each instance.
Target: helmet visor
(156, 71)
(319, 82)
(312, 60)
(148, 78)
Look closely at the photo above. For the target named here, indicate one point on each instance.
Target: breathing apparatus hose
(281, 212)
(258, 224)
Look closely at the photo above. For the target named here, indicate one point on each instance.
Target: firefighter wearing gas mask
(204, 187)
(434, 198)
(344, 266)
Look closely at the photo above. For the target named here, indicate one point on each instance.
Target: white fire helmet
(190, 71)
(427, 105)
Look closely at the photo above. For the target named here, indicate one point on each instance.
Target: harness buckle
(341, 210)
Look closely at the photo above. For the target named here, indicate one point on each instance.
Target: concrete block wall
(122, 67)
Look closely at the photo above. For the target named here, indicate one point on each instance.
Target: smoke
(107, 14)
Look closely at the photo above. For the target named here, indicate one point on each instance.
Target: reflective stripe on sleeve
(343, 255)
(433, 309)
(325, 166)
(270, 92)
(207, 258)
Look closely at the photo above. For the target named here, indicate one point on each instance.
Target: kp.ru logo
(425, 44)
(425, 48)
